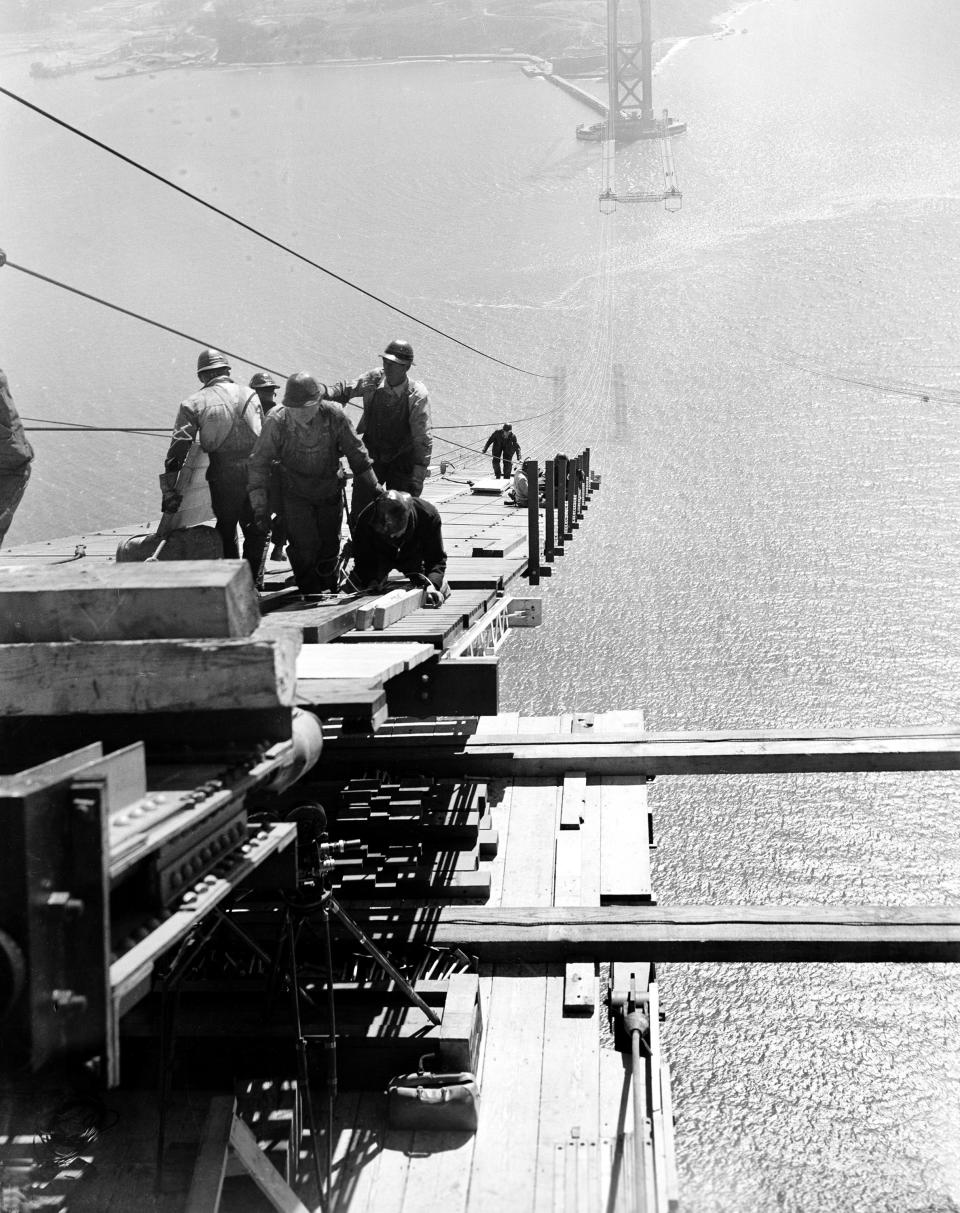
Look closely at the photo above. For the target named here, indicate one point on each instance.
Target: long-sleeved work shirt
(418, 552)
(225, 417)
(504, 442)
(308, 453)
(15, 449)
(396, 420)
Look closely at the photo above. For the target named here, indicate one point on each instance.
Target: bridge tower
(630, 74)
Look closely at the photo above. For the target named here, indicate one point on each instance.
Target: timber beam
(692, 934)
(762, 752)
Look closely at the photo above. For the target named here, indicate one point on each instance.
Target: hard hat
(399, 351)
(261, 379)
(211, 360)
(392, 513)
(301, 388)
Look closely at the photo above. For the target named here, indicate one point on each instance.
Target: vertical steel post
(586, 476)
(580, 485)
(549, 508)
(571, 497)
(533, 521)
(561, 464)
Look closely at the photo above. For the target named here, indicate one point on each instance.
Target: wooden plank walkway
(652, 754)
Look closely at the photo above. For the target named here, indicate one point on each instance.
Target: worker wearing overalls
(395, 425)
(225, 418)
(305, 437)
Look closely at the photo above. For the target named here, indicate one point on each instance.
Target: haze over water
(771, 547)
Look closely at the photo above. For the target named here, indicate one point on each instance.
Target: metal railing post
(561, 462)
(549, 508)
(530, 470)
(571, 498)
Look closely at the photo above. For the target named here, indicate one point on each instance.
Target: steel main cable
(263, 236)
(166, 328)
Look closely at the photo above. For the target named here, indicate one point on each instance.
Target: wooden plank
(504, 1159)
(574, 800)
(264, 1174)
(548, 756)
(570, 1085)
(92, 601)
(865, 934)
(373, 662)
(670, 1158)
(395, 606)
(210, 1167)
(96, 678)
(528, 866)
(624, 841)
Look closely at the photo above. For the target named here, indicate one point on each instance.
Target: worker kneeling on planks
(400, 532)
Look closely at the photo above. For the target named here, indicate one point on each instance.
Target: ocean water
(776, 540)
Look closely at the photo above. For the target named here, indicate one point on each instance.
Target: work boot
(277, 553)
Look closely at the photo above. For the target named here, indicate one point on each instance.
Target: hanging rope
(105, 147)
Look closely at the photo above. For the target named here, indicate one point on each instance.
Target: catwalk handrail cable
(263, 235)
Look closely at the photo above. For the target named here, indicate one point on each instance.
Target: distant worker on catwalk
(16, 455)
(400, 532)
(505, 446)
(395, 425)
(305, 437)
(266, 389)
(225, 419)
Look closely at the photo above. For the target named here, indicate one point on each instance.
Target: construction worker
(395, 424)
(16, 455)
(225, 419)
(400, 532)
(266, 389)
(505, 446)
(306, 436)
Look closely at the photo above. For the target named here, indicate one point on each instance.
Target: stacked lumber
(98, 645)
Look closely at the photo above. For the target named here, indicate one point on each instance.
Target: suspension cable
(262, 235)
(127, 312)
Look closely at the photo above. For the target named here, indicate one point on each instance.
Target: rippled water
(775, 544)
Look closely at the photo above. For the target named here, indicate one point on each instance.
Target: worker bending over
(305, 437)
(395, 425)
(225, 419)
(505, 446)
(400, 532)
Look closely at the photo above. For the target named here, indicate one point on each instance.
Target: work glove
(171, 500)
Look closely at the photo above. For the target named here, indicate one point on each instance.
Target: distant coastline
(125, 42)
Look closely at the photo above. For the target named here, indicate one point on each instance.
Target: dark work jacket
(418, 551)
(503, 444)
(15, 449)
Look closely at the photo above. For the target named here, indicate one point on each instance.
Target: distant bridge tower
(630, 74)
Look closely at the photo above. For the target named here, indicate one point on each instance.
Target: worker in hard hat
(505, 446)
(395, 425)
(266, 388)
(16, 455)
(306, 437)
(225, 419)
(400, 532)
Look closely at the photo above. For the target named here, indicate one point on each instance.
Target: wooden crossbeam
(92, 601)
(631, 753)
(133, 676)
(866, 934)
